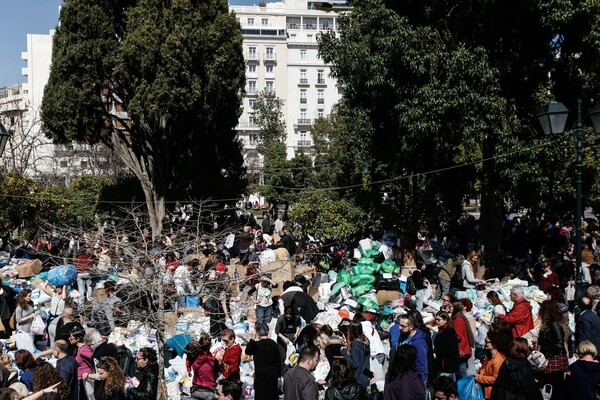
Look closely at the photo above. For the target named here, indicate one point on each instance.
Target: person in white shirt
(375, 344)
(183, 283)
(279, 224)
(469, 270)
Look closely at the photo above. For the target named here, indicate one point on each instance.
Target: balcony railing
(325, 27)
(269, 56)
(293, 26)
(302, 100)
(303, 81)
(251, 91)
(310, 26)
(320, 81)
(252, 56)
(304, 143)
(303, 121)
(246, 125)
(320, 101)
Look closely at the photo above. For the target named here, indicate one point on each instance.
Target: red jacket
(230, 363)
(460, 327)
(520, 318)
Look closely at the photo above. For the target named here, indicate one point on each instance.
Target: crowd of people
(519, 352)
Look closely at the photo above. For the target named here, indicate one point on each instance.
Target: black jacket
(446, 351)
(515, 382)
(588, 328)
(551, 340)
(581, 379)
(148, 387)
(350, 392)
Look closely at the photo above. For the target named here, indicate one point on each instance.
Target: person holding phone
(357, 353)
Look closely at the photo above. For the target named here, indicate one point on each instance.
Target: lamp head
(553, 118)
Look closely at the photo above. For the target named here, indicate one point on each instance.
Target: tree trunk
(155, 202)
(490, 219)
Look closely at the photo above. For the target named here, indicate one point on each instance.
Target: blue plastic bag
(62, 275)
(192, 301)
(469, 389)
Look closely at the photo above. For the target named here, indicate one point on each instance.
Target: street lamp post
(4, 135)
(553, 118)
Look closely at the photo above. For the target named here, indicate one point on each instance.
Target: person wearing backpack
(469, 271)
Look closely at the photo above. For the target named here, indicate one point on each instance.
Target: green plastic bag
(362, 279)
(363, 270)
(362, 289)
(388, 266)
(325, 264)
(366, 262)
(375, 245)
(371, 253)
(368, 304)
(335, 289)
(377, 268)
(344, 276)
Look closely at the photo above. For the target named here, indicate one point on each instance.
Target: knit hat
(221, 267)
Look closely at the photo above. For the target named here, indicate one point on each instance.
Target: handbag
(537, 360)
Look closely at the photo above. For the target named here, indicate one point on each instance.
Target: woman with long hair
(515, 377)
(110, 380)
(205, 367)
(494, 299)
(469, 271)
(491, 364)
(46, 375)
(357, 353)
(465, 337)
(342, 384)
(147, 363)
(24, 313)
(402, 381)
(445, 346)
(552, 342)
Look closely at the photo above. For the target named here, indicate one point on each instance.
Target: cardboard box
(387, 295)
(407, 270)
(408, 258)
(170, 322)
(29, 268)
(280, 271)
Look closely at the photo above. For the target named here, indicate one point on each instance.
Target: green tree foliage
(176, 68)
(268, 115)
(412, 103)
(324, 215)
(18, 202)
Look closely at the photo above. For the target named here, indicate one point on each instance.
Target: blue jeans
(264, 314)
(462, 368)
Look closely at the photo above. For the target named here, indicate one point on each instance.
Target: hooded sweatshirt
(419, 341)
(581, 378)
(206, 371)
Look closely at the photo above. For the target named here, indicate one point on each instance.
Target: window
(269, 68)
(251, 52)
(303, 114)
(250, 21)
(321, 96)
(303, 76)
(320, 76)
(325, 24)
(264, 22)
(251, 103)
(303, 54)
(320, 113)
(251, 121)
(84, 164)
(3, 93)
(252, 139)
(303, 135)
(252, 68)
(270, 54)
(309, 38)
(251, 87)
(64, 164)
(303, 96)
(269, 86)
(293, 37)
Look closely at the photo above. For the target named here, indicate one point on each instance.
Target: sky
(20, 17)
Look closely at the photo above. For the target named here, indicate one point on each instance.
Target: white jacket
(183, 280)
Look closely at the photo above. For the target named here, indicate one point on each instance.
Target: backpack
(126, 361)
(410, 286)
(457, 279)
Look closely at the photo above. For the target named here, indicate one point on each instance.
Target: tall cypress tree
(159, 81)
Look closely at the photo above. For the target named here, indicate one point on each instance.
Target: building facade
(281, 52)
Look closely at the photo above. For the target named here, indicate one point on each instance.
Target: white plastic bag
(37, 326)
(291, 349)
(24, 341)
(378, 374)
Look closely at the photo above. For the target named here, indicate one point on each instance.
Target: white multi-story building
(281, 52)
